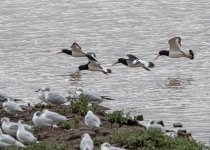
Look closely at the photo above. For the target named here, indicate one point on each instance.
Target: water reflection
(178, 83)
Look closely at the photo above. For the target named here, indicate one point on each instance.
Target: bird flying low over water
(75, 52)
(93, 65)
(133, 61)
(175, 50)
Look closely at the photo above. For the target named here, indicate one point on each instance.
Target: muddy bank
(70, 134)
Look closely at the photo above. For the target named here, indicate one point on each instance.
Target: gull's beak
(157, 57)
(115, 63)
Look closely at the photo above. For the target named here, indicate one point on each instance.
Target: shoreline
(69, 133)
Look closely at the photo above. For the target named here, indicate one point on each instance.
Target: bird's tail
(107, 98)
(151, 65)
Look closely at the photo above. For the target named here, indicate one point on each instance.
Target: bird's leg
(76, 73)
(146, 68)
(105, 72)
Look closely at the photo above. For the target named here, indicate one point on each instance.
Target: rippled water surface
(176, 90)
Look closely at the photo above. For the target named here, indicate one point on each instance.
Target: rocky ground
(70, 134)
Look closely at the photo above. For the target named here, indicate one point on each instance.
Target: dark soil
(71, 137)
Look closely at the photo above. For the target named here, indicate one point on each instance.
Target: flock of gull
(19, 134)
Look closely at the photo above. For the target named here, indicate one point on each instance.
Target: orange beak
(115, 63)
(157, 57)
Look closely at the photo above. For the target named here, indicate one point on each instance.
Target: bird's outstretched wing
(91, 56)
(175, 44)
(132, 57)
(75, 47)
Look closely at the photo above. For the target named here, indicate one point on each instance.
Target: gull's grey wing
(93, 119)
(7, 139)
(26, 136)
(55, 98)
(55, 117)
(13, 127)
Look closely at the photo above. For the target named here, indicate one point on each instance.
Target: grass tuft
(79, 105)
(67, 124)
(152, 139)
(118, 117)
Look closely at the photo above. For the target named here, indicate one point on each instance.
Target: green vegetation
(152, 139)
(118, 117)
(97, 142)
(43, 146)
(39, 106)
(79, 105)
(67, 124)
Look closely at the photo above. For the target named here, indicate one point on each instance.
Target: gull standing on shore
(11, 107)
(11, 128)
(8, 141)
(92, 95)
(55, 98)
(91, 120)
(86, 142)
(55, 117)
(41, 93)
(4, 95)
(42, 122)
(23, 135)
(107, 146)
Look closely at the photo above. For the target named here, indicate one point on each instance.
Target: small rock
(177, 125)
(132, 122)
(139, 117)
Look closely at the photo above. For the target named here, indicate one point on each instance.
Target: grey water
(175, 90)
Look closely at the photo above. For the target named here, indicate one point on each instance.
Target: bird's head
(120, 60)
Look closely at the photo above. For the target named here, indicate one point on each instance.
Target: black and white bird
(75, 52)
(93, 65)
(133, 61)
(175, 50)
